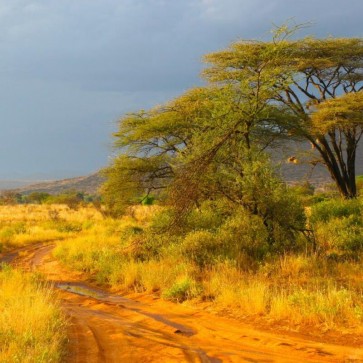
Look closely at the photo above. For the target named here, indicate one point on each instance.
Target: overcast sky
(70, 68)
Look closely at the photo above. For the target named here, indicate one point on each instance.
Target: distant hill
(88, 184)
(292, 172)
(13, 184)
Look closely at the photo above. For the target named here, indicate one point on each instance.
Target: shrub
(182, 290)
(148, 200)
(335, 208)
(202, 247)
(245, 234)
(143, 247)
(210, 215)
(68, 227)
(341, 235)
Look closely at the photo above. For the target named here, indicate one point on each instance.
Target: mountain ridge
(88, 184)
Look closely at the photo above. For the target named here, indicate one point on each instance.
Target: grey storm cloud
(70, 68)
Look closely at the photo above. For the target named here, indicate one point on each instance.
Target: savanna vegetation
(32, 325)
(194, 211)
(27, 224)
(223, 258)
(228, 229)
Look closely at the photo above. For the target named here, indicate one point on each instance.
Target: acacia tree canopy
(210, 140)
(300, 75)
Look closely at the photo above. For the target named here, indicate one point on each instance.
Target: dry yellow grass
(32, 326)
(293, 289)
(25, 224)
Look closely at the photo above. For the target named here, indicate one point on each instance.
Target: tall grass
(32, 326)
(224, 261)
(24, 224)
(294, 289)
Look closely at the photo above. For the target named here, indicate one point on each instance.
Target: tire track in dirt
(107, 327)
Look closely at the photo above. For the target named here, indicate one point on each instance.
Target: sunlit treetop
(345, 112)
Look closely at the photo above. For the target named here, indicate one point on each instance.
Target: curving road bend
(110, 328)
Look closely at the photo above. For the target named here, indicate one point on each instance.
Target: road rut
(107, 327)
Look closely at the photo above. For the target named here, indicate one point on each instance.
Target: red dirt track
(110, 328)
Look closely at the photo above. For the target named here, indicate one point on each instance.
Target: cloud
(69, 68)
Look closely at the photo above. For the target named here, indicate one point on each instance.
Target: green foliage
(72, 199)
(245, 234)
(344, 112)
(146, 246)
(162, 220)
(36, 197)
(122, 185)
(130, 231)
(8, 232)
(203, 155)
(338, 225)
(329, 103)
(182, 290)
(210, 215)
(148, 200)
(336, 208)
(202, 247)
(304, 191)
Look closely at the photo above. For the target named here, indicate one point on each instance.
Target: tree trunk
(341, 171)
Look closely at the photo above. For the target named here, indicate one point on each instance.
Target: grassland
(216, 261)
(304, 288)
(24, 224)
(32, 325)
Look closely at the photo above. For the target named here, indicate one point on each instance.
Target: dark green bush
(148, 200)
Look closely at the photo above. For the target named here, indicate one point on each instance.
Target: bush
(338, 226)
(69, 227)
(182, 290)
(245, 234)
(72, 199)
(335, 208)
(202, 247)
(148, 200)
(340, 236)
(210, 215)
(36, 197)
(143, 247)
(7, 234)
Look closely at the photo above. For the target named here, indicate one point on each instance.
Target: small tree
(37, 197)
(10, 197)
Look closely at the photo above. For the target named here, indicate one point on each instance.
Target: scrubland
(223, 261)
(219, 258)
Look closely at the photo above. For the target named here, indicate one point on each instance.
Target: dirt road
(111, 328)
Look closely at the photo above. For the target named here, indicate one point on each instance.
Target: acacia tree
(184, 138)
(148, 143)
(206, 144)
(299, 76)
